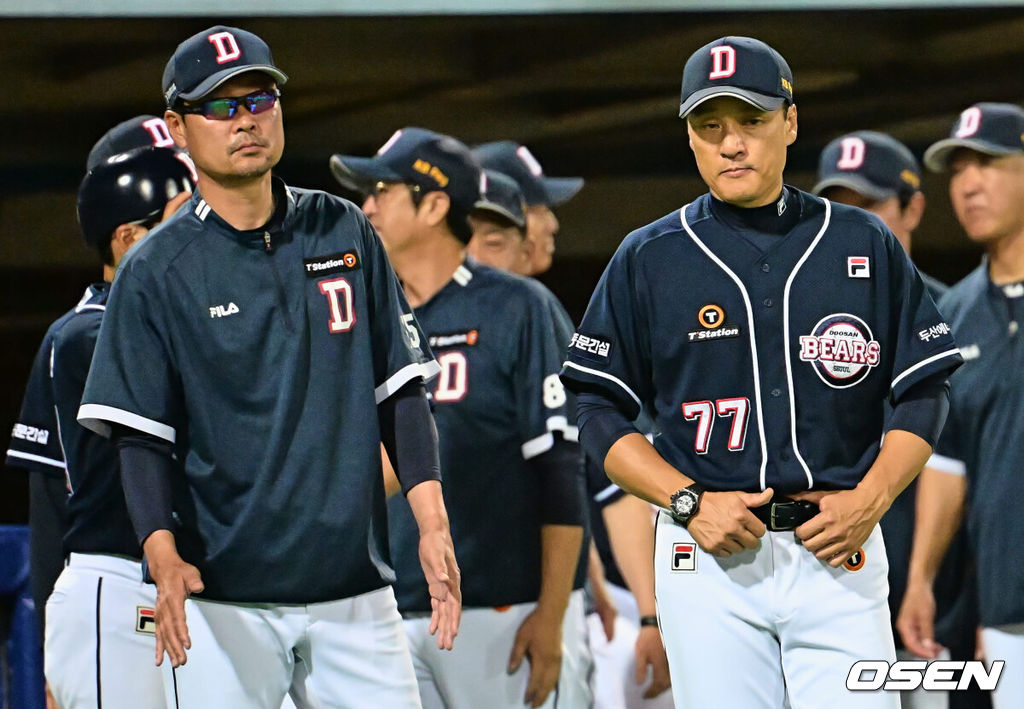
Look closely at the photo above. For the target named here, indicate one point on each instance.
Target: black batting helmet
(130, 187)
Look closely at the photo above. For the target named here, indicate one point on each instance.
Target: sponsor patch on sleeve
(589, 347)
(934, 332)
(332, 263)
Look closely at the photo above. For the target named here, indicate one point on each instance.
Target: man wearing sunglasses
(265, 344)
(85, 557)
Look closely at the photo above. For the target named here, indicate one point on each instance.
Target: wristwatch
(684, 503)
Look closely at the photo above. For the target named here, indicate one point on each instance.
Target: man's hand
(650, 652)
(539, 640)
(175, 580)
(915, 619)
(724, 524)
(842, 526)
(437, 557)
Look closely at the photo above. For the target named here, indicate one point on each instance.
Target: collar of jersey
(278, 227)
(764, 219)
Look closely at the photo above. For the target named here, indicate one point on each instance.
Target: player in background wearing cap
(879, 174)
(631, 651)
(979, 457)
(768, 395)
(513, 483)
(99, 635)
(541, 193)
(262, 338)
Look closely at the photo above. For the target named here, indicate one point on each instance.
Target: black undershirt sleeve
(409, 435)
(560, 469)
(922, 409)
(147, 464)
(601, 423)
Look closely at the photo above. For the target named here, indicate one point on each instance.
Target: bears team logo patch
(332, 263)
(841, 349)
(145, 620)
(684, 557)
(855, 562)
(711, 318)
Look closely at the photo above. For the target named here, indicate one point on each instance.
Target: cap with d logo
(989, 128)
(516, 161)
(742, 67)
(138, 132)
(870, 163)
(206, 60)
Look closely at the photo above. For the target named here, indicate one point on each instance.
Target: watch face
(685, 503)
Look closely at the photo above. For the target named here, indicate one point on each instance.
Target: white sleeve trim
(947, 465)
(609, 377)
(606, 493)
(571, 434)
(426, 370)
(541, 444)
(922, 363)
(97, 418)
(36, 458)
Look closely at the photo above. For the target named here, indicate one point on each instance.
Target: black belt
(785, 514)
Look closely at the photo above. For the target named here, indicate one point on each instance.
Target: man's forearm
(560, 551)
(939, 510)
(631, 533)
(901, 458)
(428, 507)
(634, 465)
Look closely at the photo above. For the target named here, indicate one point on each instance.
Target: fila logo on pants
(684, 557)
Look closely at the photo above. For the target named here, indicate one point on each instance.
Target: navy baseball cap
(206, 60)
(435, 162)
(989, 128)
(742, 67)
(516, 161)
(138, 132)
(499, 194)
(870, 163)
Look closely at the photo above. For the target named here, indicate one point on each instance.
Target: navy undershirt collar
(779, 217)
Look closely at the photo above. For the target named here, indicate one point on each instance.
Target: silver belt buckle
(771, 516)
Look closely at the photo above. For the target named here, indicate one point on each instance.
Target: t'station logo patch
(711, 318)
(855, 562)
(841, 349)
(684, 557)
(467, 338)
(588, 347)
(332, 263)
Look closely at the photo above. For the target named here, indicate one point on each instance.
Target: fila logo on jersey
(841, 349)
(858, 267)
(712, 318)
(332, 263)
(226, 46)
(145, 620)
(221, 311)
(470, 338)
(855, 562)
(593, 348)
(684, 557)
(30, 434)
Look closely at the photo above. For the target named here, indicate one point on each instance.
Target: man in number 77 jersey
(764, 328)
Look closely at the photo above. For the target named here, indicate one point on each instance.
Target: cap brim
(936, 156)
(494, 208)
(359, 174)
(856, 183)
(761, 101)
(560, 190)
(215, 80)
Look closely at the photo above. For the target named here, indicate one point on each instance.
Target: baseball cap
(873, 164)
(434, 161)
(139, 132)
(743, 67)
(516, 161)
(206, 60)
(499, 194)
(989, 128)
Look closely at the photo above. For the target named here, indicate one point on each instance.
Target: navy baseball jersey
(764, 359)
(262, 355)
(498, 403)
(982, 435)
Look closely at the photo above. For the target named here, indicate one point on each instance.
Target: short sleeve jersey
(498, 404)
(262, 355)
(762, 365)
(982, 434)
